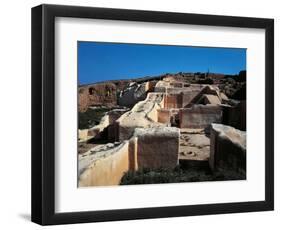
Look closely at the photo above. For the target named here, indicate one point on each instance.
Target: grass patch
(177, 175)
(91, 117)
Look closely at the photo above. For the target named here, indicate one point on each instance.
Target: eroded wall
(106, 170)
(96, 95)
(228, 148)
(164, 116)
(157, 147)
(149, 148)
(173, 101)
(142, 115)
(235, 115)
(200, 116)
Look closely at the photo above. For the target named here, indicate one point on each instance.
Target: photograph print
(153, 114)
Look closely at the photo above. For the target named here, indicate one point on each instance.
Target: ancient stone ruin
(160, 124)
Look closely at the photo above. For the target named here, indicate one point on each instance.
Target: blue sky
(99, 61)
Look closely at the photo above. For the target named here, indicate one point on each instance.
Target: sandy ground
(194, 145)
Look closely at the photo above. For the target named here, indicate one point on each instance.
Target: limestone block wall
(200, 116)
(228, 148)
(161, 86)
(149, 148)
(211, 99)
(153, 113)
(235, 115)
(142, 115)
(176, 84)
(172, 101)
(187, 97)
(124, 132)
(106, 169)
(164, 116)
(157, 147)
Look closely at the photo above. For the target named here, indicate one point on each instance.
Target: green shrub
(176, 175)
(91, 117)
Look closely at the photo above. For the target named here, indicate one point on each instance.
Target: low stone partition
(149, 148)
(105, 167)
(164, 116)
(235, 115)
(228, 148)
(188, 96)
(200, 116)
(157, 147)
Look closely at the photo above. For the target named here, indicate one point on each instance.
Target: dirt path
(194, 145)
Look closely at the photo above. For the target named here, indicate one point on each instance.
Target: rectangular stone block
(157, 147)
(228, 148)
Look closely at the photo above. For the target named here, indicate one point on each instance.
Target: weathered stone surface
(235, 115)
(173, 101)
(194, 145)
(97, 129)
(103, 165)
(228, 148)
(83, 134)
(211, 99)
(133, 154)
(200, 116)
(157, 147)
(142, 115)
(97, 94)
(142, 137)
(164, 116)
(133, 94)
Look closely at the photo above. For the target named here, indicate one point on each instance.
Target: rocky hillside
(100, 94)
(108, 93)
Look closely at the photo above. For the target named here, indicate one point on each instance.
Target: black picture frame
(43, 114)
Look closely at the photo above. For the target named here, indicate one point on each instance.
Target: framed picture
(142, 114)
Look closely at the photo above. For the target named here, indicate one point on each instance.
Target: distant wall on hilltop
(99, 94)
